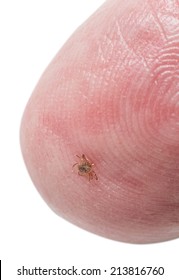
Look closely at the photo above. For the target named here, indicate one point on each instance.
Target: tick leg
(74, 164)
(95, 175)
(90, 176)
(78, 156)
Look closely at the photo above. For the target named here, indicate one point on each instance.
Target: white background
(31, 33)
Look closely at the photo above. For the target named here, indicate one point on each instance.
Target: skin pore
(111, 93)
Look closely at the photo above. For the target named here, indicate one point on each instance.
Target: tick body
(85, 168)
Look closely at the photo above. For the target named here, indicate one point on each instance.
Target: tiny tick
(85, 167)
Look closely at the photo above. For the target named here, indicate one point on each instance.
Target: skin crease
(111, 93)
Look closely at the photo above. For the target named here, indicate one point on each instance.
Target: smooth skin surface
(112, 93)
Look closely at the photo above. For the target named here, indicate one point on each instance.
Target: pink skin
(111, 93)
